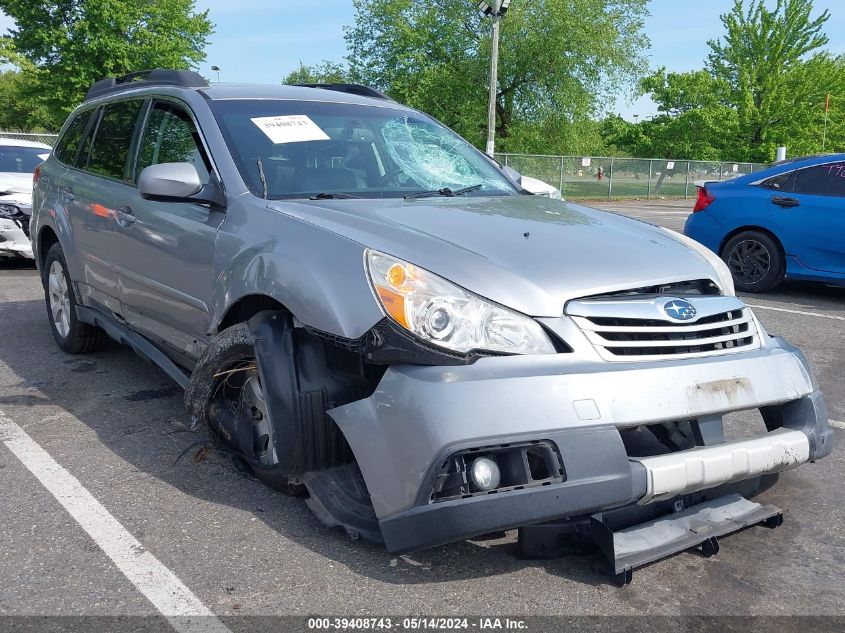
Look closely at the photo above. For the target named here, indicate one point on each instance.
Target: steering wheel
(391, 174)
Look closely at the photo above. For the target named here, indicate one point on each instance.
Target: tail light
(36, 175)
(703, 200)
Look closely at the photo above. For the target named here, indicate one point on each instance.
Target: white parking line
(837, 424)
(185, 612)
(812, 314)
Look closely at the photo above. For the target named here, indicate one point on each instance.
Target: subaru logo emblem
(679, 310)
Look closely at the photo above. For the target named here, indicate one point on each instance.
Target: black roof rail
(353, 89)
(158, 76)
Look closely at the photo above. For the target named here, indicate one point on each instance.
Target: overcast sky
(263, 40)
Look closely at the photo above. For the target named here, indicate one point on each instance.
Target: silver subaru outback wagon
(375, 315)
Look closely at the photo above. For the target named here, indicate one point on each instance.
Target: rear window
(110, 150)
(68, 146)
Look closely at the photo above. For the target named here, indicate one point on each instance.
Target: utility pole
(494, 79)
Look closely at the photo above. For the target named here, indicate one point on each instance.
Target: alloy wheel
(749, 261)
(59, 298)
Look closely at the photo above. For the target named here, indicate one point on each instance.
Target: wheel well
(46, 239)
(759, 229)
(247, 307)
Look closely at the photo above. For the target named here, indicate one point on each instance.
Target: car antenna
(261, 176)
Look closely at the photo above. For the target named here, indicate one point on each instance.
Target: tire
(70, 334)
(755, 260)
(216, 396)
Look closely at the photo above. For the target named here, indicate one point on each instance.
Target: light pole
(216, 69)
(495, 11)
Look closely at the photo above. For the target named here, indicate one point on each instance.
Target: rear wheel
(70, 334)
(755, 261)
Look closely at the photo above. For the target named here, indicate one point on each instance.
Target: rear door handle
(125, 217)
(785, 202)
(67, 195)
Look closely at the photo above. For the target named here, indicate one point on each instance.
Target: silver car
(373, 314)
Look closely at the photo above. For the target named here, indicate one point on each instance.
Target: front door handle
(125, 216)
(785, 202)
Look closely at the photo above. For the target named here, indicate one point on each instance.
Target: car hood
(529, 253)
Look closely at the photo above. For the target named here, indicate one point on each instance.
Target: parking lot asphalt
(117, 425)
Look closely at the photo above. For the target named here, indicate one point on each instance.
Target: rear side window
(110, 149)
(822, 180)
(171, 137)
(781, 182)
(68, 145)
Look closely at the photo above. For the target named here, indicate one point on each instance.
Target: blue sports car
(785, 221)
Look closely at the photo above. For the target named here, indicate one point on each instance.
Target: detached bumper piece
(697, 527)
(709, 466)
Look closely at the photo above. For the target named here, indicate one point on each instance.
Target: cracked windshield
(327, 150)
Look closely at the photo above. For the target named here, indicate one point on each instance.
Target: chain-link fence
(592, 177)
(49, 139)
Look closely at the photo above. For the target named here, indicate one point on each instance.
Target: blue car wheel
(755, 261)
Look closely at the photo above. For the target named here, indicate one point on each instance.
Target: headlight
(726, 280)
(443, 314)
(8, 210)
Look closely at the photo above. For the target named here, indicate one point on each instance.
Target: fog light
(485, 474)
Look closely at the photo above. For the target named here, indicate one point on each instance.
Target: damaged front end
(14, 231)
(387, 436)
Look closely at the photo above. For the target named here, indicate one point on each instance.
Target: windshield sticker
(293, 128)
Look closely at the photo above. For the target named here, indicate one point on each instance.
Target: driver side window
(171, 137)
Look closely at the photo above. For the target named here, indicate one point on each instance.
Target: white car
(540, 188)
(18, 159)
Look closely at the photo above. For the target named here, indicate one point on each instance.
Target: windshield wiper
(449, 193)
(332, 196)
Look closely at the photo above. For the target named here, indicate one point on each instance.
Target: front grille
(625, 338)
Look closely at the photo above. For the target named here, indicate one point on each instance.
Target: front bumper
(13, 240)
(419, 416)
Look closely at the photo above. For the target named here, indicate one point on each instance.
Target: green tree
(623, 138)
(19, 111)
(777, 75)
(324, 73)
(559, 58)
(70, 44)
(695, 119)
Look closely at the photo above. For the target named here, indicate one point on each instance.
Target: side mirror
(513, 174)
(169, 180)
(178, 182)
